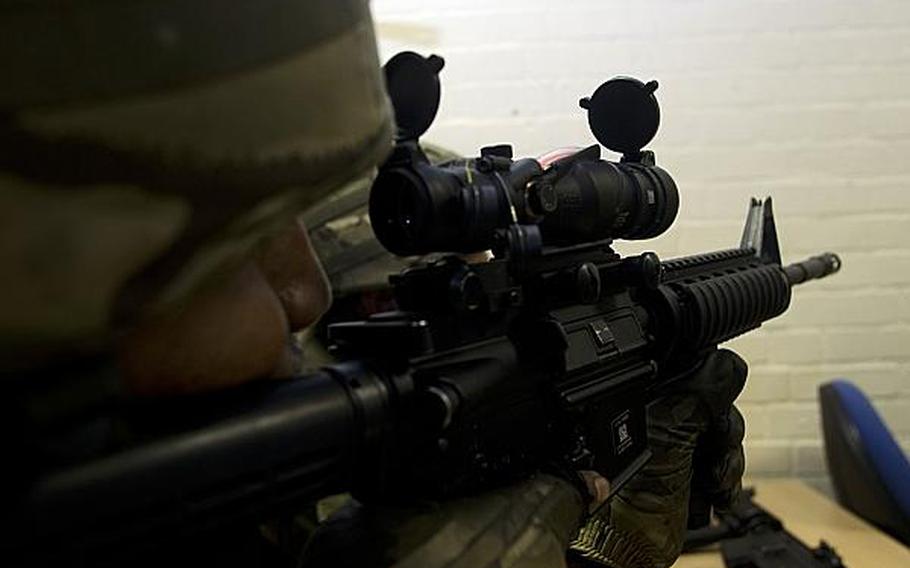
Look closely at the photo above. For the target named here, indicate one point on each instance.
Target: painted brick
(765, 386)
(768, 458)
(793, 421)
(814, 309)
(757, 424)
(811, 194)
(809, 459)
(896, 414)
(792, 347)
(851, 344)
(878, 380)
(873, 269)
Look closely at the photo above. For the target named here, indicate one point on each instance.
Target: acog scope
(469, 205)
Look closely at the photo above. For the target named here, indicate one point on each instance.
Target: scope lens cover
(623, 114)
(412, 82)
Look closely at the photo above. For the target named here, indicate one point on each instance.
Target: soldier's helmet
(146, 146)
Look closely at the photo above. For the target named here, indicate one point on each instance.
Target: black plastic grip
(721, 306)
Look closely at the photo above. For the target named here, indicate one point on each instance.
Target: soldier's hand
(695, 434)
(528, 524)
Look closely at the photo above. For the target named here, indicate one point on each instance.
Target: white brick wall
(807, 101)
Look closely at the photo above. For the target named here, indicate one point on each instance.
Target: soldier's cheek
(235, 332)
(293, 270)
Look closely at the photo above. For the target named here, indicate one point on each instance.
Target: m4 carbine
(544, 357)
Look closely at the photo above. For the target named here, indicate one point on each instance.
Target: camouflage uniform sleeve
(695, 436)
(527, 525)
(644, 523)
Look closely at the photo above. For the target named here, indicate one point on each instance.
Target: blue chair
(870, 473)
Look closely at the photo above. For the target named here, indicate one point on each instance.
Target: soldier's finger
(598, 487)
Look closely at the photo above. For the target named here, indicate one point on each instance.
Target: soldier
(154, 162)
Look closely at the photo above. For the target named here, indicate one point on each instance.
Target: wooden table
(810, 516)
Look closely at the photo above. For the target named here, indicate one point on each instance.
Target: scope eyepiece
(417, 208)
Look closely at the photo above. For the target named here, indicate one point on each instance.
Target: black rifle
(751, 537)
(544, 357)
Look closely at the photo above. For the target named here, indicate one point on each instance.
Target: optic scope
(469, 205)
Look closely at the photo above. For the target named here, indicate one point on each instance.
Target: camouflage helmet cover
(145, 147)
